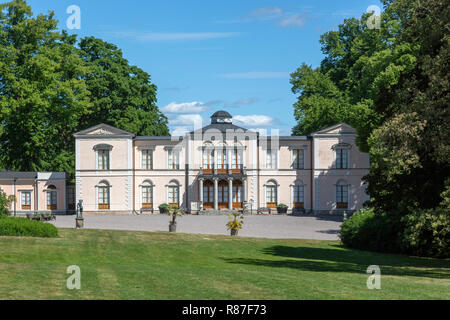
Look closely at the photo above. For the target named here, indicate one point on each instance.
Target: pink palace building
(218, 168)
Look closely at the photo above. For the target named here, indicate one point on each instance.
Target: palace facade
(219, 167)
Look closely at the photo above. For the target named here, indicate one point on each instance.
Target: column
(200, 182)
(230, 194)
(245, 190)
(216, 194)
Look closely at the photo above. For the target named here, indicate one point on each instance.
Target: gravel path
(261, 226)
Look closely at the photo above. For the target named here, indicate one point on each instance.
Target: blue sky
(210, 55)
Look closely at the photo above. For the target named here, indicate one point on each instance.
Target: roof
(221, 127)
(221, 114)
(103, 130)
(10, 175)
(344, 129)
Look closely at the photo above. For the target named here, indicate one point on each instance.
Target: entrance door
(237, 194)
(223, 195)
(208, 195)
(271, 196)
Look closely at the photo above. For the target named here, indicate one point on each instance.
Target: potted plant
(282, 208)
(235, 222)
(164, 208)
(174, 212)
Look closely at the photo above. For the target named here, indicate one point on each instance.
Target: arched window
(271, 194)
(223, 194)
(147, 194)
(342, 194)
(236, 156)
(173, 193)
(104, 195)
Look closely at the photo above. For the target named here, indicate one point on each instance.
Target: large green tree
(122, 95)
(410, 152)
(42, 95)
(51, 86)
(358, 62)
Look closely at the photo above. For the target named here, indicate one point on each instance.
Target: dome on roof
(221, 114)
(221, 117)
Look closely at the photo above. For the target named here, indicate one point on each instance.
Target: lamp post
(79, 220)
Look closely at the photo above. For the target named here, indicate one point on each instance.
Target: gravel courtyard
(262, 226)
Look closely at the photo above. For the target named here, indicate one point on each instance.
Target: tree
(122, 95)
(42, 94)
(410, 152)
(358, 62)
(50, 89)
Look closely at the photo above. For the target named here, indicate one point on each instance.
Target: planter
(282, 210)
(173, 227)
(234, 232)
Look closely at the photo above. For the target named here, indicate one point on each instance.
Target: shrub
(26, 228)
(427, 233)
(370, 231)
(282, 206)
(5, 202)
(235, 221)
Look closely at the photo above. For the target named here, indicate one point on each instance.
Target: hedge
(26, 228)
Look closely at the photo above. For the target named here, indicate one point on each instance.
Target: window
(271, 195)
(342, 195)
(173, 157)
(51, 198)
(221, 159)
(26, 200)
(147, 196)
(208, 159)
(237, 194)
(173, 195)
(298, 158)
(271, 159)
(147, 159)
(236, 159)
(299, 196)
(341, 158)
(208, 194)
(70, 198)
(103, 159)
(103, 196)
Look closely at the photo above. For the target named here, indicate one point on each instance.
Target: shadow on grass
(339, 259)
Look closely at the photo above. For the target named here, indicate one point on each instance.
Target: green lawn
(143, 265)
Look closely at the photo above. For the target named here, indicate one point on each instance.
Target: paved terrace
(261, 226)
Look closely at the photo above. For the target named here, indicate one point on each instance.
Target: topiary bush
(26, 228)
(427, 233)
(370, 231)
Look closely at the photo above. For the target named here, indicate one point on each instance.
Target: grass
(144, 265)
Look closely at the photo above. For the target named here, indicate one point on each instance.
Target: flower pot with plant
(282, 208)
(164, 208)
(235, 222)
(174, 212)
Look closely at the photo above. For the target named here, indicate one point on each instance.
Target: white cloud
(185, 107)
(267, 12)
(186, 119)
(170, 36)
(255, 75)
(295, 20)
(246, 101)
(254, 120)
